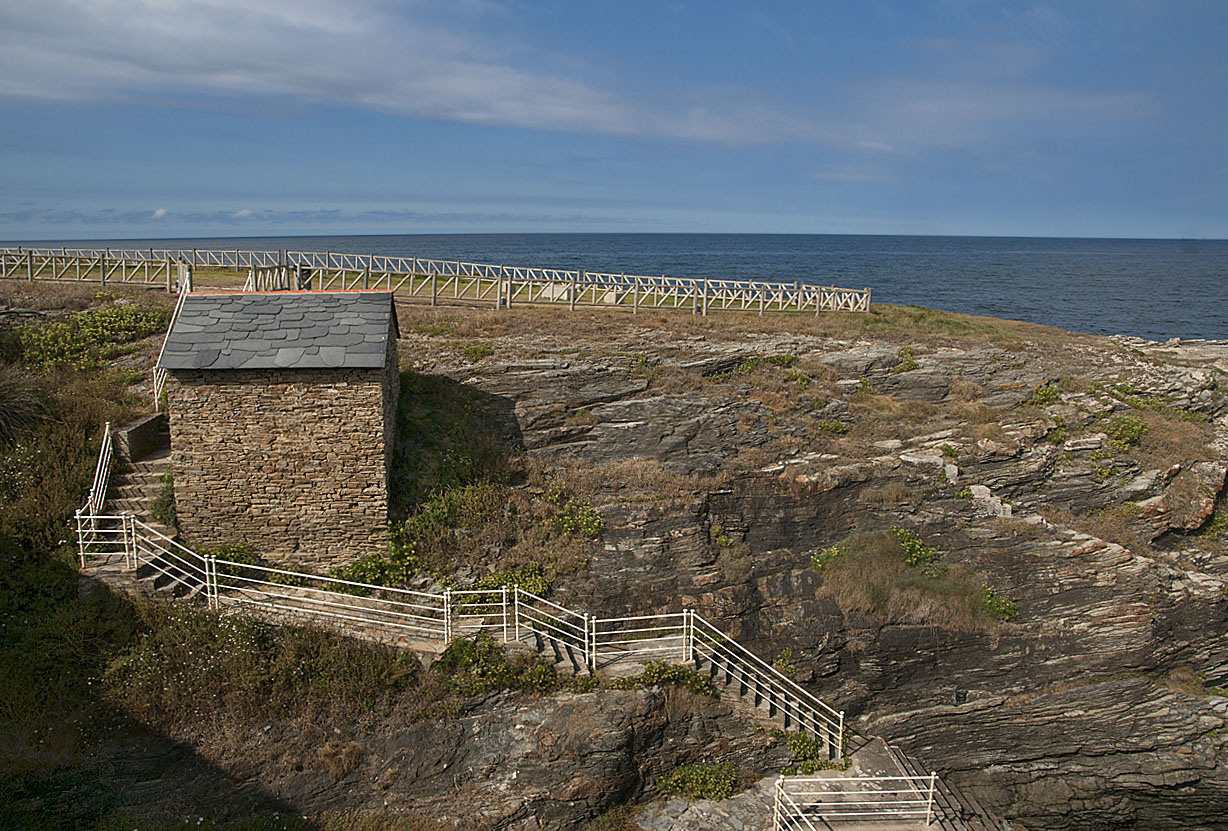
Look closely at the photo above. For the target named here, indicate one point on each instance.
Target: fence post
(776, 825)
(705, 297)
(447, 616)
(128, 523)
(591, 642)
(688, 635)
(434, 288)
(516, 609)
(635, 299)
(80, 538)
(504, 590)
(366, 276)
(575, 282)
(929, 805)
(30, 265)
(508, 304)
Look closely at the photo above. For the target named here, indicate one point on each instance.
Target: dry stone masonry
(282, 410)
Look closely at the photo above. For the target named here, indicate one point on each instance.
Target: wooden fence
(434, 280)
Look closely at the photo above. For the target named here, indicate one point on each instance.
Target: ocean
(1156, 289)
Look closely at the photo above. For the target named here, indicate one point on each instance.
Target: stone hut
(283, 419)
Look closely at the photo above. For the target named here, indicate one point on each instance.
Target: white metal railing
(766, 684)
(801, 800)
(437, 279)
(424, 618)
(641, 636)
(161, 375)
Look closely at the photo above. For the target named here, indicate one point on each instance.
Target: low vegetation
(895, 577)
(714, 781)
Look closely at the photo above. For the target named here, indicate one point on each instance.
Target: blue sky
(162, 118)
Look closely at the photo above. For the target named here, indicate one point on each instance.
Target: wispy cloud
(270, 218)
(364, 53)
(414, 60)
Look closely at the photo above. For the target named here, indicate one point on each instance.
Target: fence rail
(436, 280)
(800, 801)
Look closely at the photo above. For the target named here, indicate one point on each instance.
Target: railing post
(590, 638)
(80, 538)
(705, 304)
(212, 572)
(929, 805)
(516, 609)
(776, 805)
(688, 635)
(127, 522)
(635, 298)
(575, 283)
(30, 265)
(447, 616)
(504, 590)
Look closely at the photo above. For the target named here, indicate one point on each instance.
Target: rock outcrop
(1079, 476)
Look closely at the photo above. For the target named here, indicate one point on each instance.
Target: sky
(172, 118)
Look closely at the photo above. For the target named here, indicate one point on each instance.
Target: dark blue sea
(1156, 289)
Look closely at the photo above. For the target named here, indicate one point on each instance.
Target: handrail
(864, 798)
(160, 375)
(436, 615)
(833, 718)
(504, 284)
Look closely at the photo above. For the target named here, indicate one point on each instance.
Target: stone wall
(292, 462)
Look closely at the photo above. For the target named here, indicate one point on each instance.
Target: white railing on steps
(160, 375)
(433, 620)
(800, 801)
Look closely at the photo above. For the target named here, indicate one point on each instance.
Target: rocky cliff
(1077, 476)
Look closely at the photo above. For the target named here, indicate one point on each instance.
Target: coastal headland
(1051, 639)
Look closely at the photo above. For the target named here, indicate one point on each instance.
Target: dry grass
(893, 493)
(965, 391)
(870, 576)
(735, 562)
(47, 296)
(1168, 440)
(1117, 524)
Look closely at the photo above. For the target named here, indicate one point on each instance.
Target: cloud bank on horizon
(170, 117)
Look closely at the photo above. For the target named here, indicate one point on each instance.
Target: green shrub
(475, 665)
(1057, 435)
(717, 781)
(162, 508)
(907, 361)
(661, 672)
(998, 605)
(1043, 395)
(916, 553)
(474, 352)
(531, 577)
(837, 428)
(809, 754)
(1124, 431)
(577, 518)
(87, 339)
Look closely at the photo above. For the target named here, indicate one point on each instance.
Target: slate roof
(276, 330)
